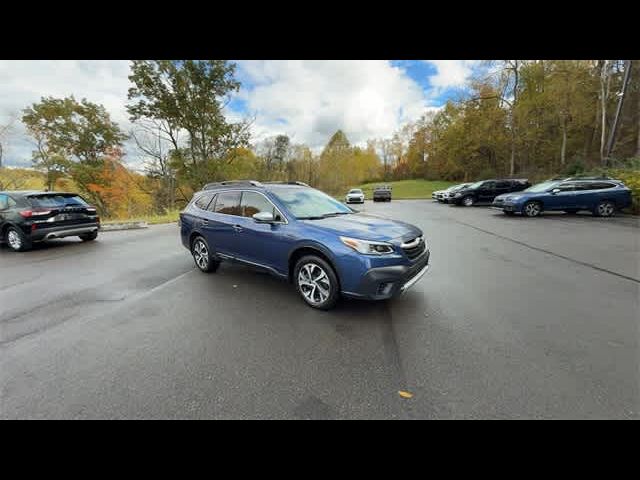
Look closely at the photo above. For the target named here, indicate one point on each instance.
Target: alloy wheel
(201, 254)
(532, 209)
(605, 209)
(14, 240)
(314, 283)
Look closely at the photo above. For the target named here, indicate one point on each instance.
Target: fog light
(385, 288)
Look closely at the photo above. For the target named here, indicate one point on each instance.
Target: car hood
(366, 227)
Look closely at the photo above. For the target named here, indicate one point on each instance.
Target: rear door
(52, 210)
(503, 187)
(222, 222)
(4, 209)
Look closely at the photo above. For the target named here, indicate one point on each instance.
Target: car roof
(28, 193)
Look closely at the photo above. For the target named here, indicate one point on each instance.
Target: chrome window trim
(286, 221)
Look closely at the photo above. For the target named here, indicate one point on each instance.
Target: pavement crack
(549, 252)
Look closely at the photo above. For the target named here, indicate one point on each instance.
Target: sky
(308, 100)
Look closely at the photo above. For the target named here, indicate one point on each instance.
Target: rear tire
(17, 240)
(316, 282)
(203, 256)
(606, 208)
(89, 237)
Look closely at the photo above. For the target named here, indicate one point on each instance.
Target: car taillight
(34, 213)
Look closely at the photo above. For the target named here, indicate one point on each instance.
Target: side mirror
(555, 190)
(263, 217)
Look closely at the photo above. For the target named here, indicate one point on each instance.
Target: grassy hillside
(408, 188)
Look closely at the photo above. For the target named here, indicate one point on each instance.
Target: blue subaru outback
(601, 196)
(300, 234)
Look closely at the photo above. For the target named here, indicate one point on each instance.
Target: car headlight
(366, 247)
(458, 194)
(515, 197)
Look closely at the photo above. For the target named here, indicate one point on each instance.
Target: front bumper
(505, 207)
(381, 283)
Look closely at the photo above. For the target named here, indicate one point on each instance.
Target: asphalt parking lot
(517, 318)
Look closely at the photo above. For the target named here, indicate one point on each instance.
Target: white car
(355, 195)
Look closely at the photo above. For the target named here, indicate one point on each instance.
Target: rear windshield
(57, 201)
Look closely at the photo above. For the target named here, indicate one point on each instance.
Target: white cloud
(25, 82)
(310, 100)
(451, 73)
(307, 100)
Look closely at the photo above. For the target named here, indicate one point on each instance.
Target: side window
(12, 202)
(566, 187)
(503, 184)
(600, 185)
(4, 202)
(203, 201)
(253, 203)
(489, 185)
(228, 203)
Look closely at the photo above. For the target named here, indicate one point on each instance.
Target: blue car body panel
(580, 197)
(271, 246)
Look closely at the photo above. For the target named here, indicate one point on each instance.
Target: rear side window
(600, 185)
(203, 201)
(253, 203)
(57, 201)
(228, 203)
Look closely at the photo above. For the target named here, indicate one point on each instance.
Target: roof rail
(302, 184)
(252, 183)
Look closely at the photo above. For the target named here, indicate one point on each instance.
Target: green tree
(190, 96)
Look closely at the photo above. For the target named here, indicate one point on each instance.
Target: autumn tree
(190, 96)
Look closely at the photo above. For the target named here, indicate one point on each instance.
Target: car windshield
(308, 203)
(355, 190)
(473, 186)
(541, 187)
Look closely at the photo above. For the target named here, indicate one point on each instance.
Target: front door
(263, 244)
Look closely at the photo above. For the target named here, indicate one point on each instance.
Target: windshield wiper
(333, 214)
(310, 218)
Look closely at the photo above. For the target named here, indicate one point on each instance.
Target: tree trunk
(563, 150)
(604, 93)
(638, 147)
(614, 127)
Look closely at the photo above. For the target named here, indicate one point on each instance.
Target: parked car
(485, 191)
(27, 217)
(302, 235)
(443, 196)
(355, 195)
(601, 197)
(382, 193)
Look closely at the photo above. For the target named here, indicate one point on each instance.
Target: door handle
(237, 228)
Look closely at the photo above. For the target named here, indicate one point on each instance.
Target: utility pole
(625, 84)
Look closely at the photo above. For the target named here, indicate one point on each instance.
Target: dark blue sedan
(602, 197)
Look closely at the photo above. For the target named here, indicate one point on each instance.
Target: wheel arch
(310, 249)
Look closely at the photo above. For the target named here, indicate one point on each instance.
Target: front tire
(17, 240)
(605, 208)
(203, 256)
(468, 201)
(532, 209)
(316, 282)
